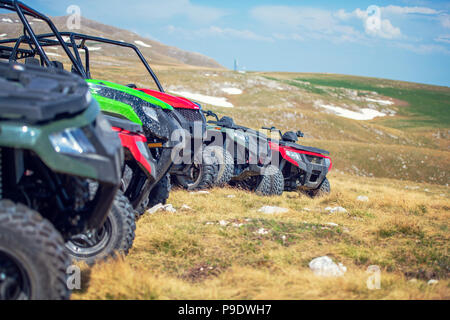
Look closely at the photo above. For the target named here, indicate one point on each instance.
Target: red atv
(304, 168)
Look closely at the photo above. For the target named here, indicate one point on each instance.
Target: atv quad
(54, 146)
(247, 156)
(137, 118)
(304, 168)
(194, 167)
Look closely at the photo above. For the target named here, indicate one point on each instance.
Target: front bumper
(307, 170)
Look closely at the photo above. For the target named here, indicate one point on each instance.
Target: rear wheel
(33, 260)
(322, 190)
(116, 236)
(225, 164)
(201, 175)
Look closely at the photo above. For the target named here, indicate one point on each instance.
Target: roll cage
(40, 41)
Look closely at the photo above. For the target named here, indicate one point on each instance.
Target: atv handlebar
(273, 129)
(209, 113)
(298, 133)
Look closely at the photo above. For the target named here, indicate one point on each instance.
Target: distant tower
(235, 65)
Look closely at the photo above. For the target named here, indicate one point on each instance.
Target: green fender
(146, 97)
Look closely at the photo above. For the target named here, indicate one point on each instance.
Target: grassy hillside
(217, 250)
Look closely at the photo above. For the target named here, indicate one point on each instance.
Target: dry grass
(182, 256)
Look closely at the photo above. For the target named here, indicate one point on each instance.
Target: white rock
(155, 208)
(325, 267)
(432, 281)
(223, 223)
(272, 210)
(262, 231)
(335, 210)
(185, 207)
(307, 209)
(200, 192)
(160, 206)
(362, 198)
(332, 224)
(231, 196)
(237, 225)
(169, 208)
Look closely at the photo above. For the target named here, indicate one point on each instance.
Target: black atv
(304, 168)
(246, 161)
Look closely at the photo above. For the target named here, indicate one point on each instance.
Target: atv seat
(58, 65)
(290, 137)
(32, 61)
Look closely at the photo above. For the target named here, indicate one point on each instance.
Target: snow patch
(94, 48)
(52, 54)
(7, 20)
(3, 35)
(215, 101)
(232, 90)
(382, 102)
(143, 44)
(363, 114)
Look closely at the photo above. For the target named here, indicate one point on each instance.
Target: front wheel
(322, 190)
(33, 260)
(115, 237)
(270, 183)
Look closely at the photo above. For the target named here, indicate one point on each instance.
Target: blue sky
(404, 40)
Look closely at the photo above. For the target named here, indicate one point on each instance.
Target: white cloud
(424, 48)
(234, 33)
(215, 31)
(409, 10)
(444, 38)
(445, 20)
(298, 23)
(373, 22)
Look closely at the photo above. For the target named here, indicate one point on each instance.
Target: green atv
(60, 169)
(246, 161)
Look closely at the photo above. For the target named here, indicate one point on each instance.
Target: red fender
(282, 150)
(176, 102)
(131, 141)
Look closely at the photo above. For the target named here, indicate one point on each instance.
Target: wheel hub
(14, 283)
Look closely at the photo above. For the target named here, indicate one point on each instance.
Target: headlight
(328, 163)
(294, 155)
(150, 112)
(71, 141)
